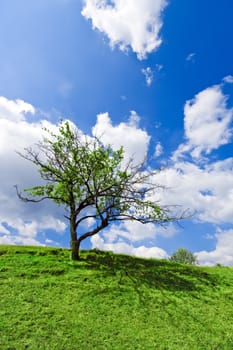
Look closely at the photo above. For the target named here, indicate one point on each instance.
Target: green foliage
(81, 169)
(90, 180)
(184, 256)
(107, 301)
(81, 172)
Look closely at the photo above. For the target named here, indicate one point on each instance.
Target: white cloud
(206, 187)
(191, 57)
(51, 242)
(148, 73)
(128, 23)
(122, 238)
(14, 110)
(158, 150)
(127, 134)
(207, 122)
(134, 231)
(30, 229)
(207, 190)
(228, 79)
(26, 220)
(122, 247)
(223, 252)
(18, 240)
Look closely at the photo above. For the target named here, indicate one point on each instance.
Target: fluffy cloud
(127, 134)
(14, 110)
(228, 79)
(207, 191)
(19, 222)
(207, 122)
(30, 229)
(18, 240)
(134, 231)
(128, 23)
(204, 185)
(124, 238)
(121, 247)
(222, 254)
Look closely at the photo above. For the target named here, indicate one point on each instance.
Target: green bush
(184, 256)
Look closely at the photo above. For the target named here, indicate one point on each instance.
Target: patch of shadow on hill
(158, 274)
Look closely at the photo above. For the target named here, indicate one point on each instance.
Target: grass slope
(108, 301)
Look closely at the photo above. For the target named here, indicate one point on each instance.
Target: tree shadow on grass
(156, 274)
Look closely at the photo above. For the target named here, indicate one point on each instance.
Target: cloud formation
(223, 252)
(149, 76)
(19, 222)
(206, 190)
(158, 150)
(204, 185)
(207, 122)
(122, 247)
(127, 134)
(14, 110)
(228, 79)
(127, 23)
(134, 231)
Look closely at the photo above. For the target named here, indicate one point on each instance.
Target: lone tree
(184, 256)
(92, 183)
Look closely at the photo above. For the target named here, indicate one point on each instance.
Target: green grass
(108, 301)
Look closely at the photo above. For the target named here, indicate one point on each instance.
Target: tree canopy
(92, 182)
(184, 256)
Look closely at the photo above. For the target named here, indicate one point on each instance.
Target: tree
(184, 256)
(92, 183)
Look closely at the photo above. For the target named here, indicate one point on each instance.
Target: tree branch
(26, 199)
(104, 223)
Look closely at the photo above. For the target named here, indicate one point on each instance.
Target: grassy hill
(108, 301)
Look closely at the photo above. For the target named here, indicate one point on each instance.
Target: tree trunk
(74, 242)
(75, 247)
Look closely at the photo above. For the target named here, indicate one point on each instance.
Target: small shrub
(184, 256)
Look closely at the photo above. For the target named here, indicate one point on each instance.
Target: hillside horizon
(110, 301)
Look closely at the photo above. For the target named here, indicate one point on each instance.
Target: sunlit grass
(108, 301)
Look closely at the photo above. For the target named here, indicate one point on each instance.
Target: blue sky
(153, 75)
